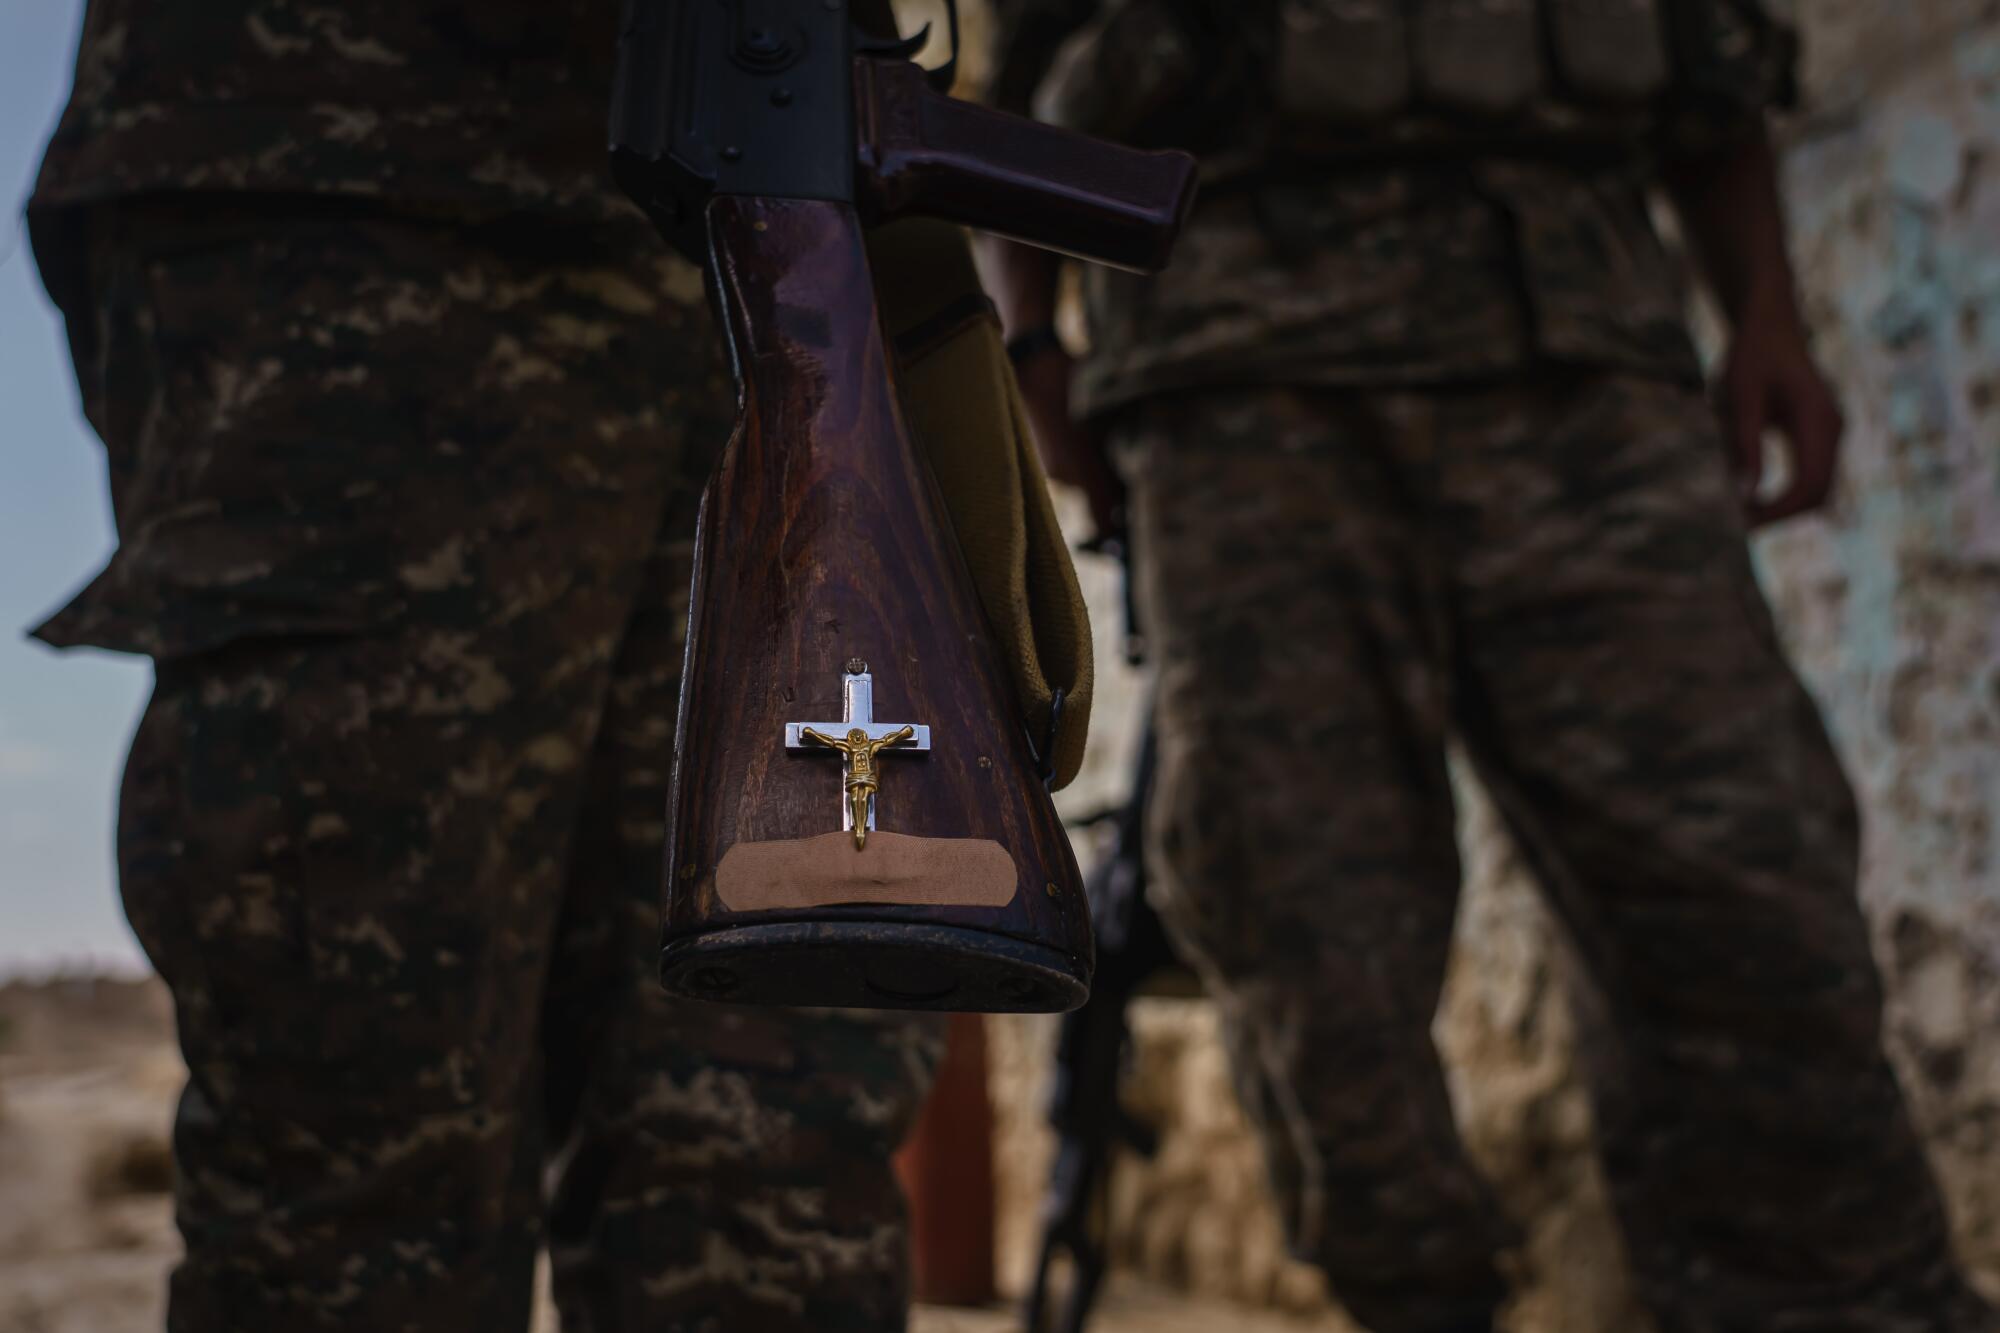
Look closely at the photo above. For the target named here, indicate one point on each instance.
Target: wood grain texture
(822, 539)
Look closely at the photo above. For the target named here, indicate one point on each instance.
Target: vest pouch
(1478, 57)
(1125, 75)
(1343, 61)
(1610, 51)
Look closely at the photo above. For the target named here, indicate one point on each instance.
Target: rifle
(1085, 1110)
(1084, 1106)
(858, 815)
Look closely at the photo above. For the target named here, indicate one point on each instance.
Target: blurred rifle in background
(1085, 1110)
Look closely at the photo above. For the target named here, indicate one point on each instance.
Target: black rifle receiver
(820, 99)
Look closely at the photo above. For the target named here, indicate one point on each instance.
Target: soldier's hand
(1770, 382)
(1073, 452)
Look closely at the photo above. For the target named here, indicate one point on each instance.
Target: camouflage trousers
(1553, 573)
(405, 513)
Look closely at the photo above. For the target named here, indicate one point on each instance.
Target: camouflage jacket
(1396, 266)
(475, 107)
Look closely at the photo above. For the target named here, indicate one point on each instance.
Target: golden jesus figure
(862, 778)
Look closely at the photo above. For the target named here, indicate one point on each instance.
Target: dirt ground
(87, 1079)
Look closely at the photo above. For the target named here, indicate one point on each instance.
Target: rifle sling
(964, 409)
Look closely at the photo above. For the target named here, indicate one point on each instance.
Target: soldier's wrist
(1770, 306)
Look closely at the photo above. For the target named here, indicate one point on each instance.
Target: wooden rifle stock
(822, 540)
(858, 816)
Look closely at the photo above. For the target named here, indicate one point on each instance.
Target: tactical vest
(1333, 77)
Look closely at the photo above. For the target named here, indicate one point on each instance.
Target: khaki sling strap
(965, 411)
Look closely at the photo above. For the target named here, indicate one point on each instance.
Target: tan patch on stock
(893, 868)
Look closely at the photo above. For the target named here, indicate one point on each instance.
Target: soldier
(407, 413)
(1417, 448)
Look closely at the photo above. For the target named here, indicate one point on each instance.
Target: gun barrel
(921, 152)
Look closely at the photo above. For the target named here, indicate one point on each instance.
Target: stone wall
(1892, 608)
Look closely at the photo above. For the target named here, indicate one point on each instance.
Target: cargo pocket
(226, 528)
(208, 863)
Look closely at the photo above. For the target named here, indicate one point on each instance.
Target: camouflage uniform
(1418, 452)
(405, 488)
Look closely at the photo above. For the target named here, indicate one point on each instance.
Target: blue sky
(64, 718)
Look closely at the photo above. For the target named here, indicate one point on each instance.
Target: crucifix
(858, 738)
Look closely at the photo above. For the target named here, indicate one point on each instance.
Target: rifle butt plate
(874, 965)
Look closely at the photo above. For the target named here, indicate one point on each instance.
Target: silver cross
(857, 689)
